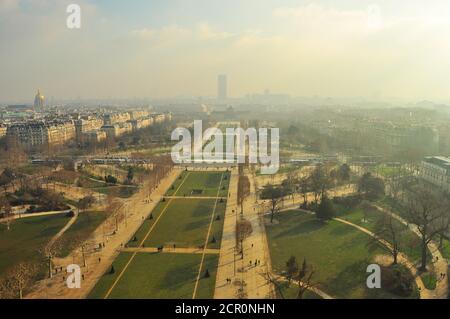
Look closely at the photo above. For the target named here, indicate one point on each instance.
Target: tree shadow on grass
(349, 280)
(198, 224)
(303, 228)
(184, 273)
(340, 230)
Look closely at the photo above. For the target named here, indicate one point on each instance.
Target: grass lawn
(217, 226)
(26, 237)
(429, 280)
(143, 230)
(84, 226)
(338, 253)
(445, 250)
(31, 169)
(154, 276)
(206, 183)
(367, 218)
(185, 223)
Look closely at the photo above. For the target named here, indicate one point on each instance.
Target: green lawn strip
(32, 169)
(84, 226)
(429, 280)
(171, 191)
(107, 280)
(338, 253)
(25, 237)
(157, 276)
(206, 183)
(145, 227)
(223, 192)
(184, 224)
(206, 285)
(445, 249)
(217, 226)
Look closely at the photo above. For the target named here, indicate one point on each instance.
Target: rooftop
(441, 161)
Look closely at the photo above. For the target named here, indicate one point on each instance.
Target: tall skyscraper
(222, 87)
(39, 101)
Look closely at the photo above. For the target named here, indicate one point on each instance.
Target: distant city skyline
(222, 87)
(161, 49)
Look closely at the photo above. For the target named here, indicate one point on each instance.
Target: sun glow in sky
(164, 48)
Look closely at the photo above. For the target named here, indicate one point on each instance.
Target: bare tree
(428, 212)
(304, 188)
(243, 190)
(291, 268)
(17, 279)
(304, 279)
(49, 252)
(319, 181)
(243, 230)
(290, 183)
(86, 202)
(391, 230)
(275, 197)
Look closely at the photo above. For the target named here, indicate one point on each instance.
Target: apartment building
(114, 118)
(36, 134)
(436, 170)
(117, 129)
(87, 124)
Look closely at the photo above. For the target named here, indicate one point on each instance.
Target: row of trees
(321, 179)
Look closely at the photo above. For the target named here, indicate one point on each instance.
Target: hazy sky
(162, 48)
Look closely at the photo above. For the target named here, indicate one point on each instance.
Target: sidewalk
(250, 278)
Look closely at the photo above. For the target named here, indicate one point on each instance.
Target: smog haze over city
(154, 49)
(235, 157)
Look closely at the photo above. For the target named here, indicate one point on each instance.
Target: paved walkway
(138, 208)
(227, 258)
(247, 279)
(256, 248)
(72, 220)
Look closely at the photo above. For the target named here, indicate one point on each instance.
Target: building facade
(33, 135)
(436, 170)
